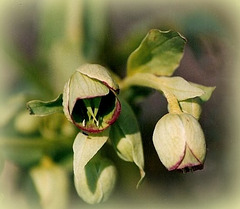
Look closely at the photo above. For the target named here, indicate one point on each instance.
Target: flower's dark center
(94, 111)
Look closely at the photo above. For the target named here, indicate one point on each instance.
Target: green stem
(173, 105)
(142, 79)
(155, 82)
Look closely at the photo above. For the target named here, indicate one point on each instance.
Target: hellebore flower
(179, 142)
(89, 98)
(95, 183)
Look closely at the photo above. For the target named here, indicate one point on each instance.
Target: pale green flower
(180, 142)
(96, 181)
(90, 98)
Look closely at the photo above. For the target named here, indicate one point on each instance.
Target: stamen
(92, 106)
(96, 103)
(89, 109)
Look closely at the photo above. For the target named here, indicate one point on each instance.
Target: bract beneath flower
(90, 98)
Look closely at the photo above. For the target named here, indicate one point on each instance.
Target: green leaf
(126, 139)
(85, 147)
(159, 53)
(208, 90)
(43, 108)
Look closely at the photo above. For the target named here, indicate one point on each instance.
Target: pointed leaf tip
(159, 53)
(43, 108)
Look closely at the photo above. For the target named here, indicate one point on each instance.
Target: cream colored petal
(66, 100)
(169, 140)
(189, 159)
(85, 147)
(195, 137)
(98, 72)
(81, 86)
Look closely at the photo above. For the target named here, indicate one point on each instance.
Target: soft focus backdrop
(43, 42)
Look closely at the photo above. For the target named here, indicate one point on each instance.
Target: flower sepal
(180, 142)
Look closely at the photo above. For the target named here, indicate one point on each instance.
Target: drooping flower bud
(180, 142)
(96, 181)
(89, 98)
(51, 183)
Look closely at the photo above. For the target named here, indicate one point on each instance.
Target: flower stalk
(173, 105)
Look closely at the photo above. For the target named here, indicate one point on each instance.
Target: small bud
(179, 142)
(89, 98)
(96, 181)
(52, 185)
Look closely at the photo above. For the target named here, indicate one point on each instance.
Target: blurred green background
(43, 42)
